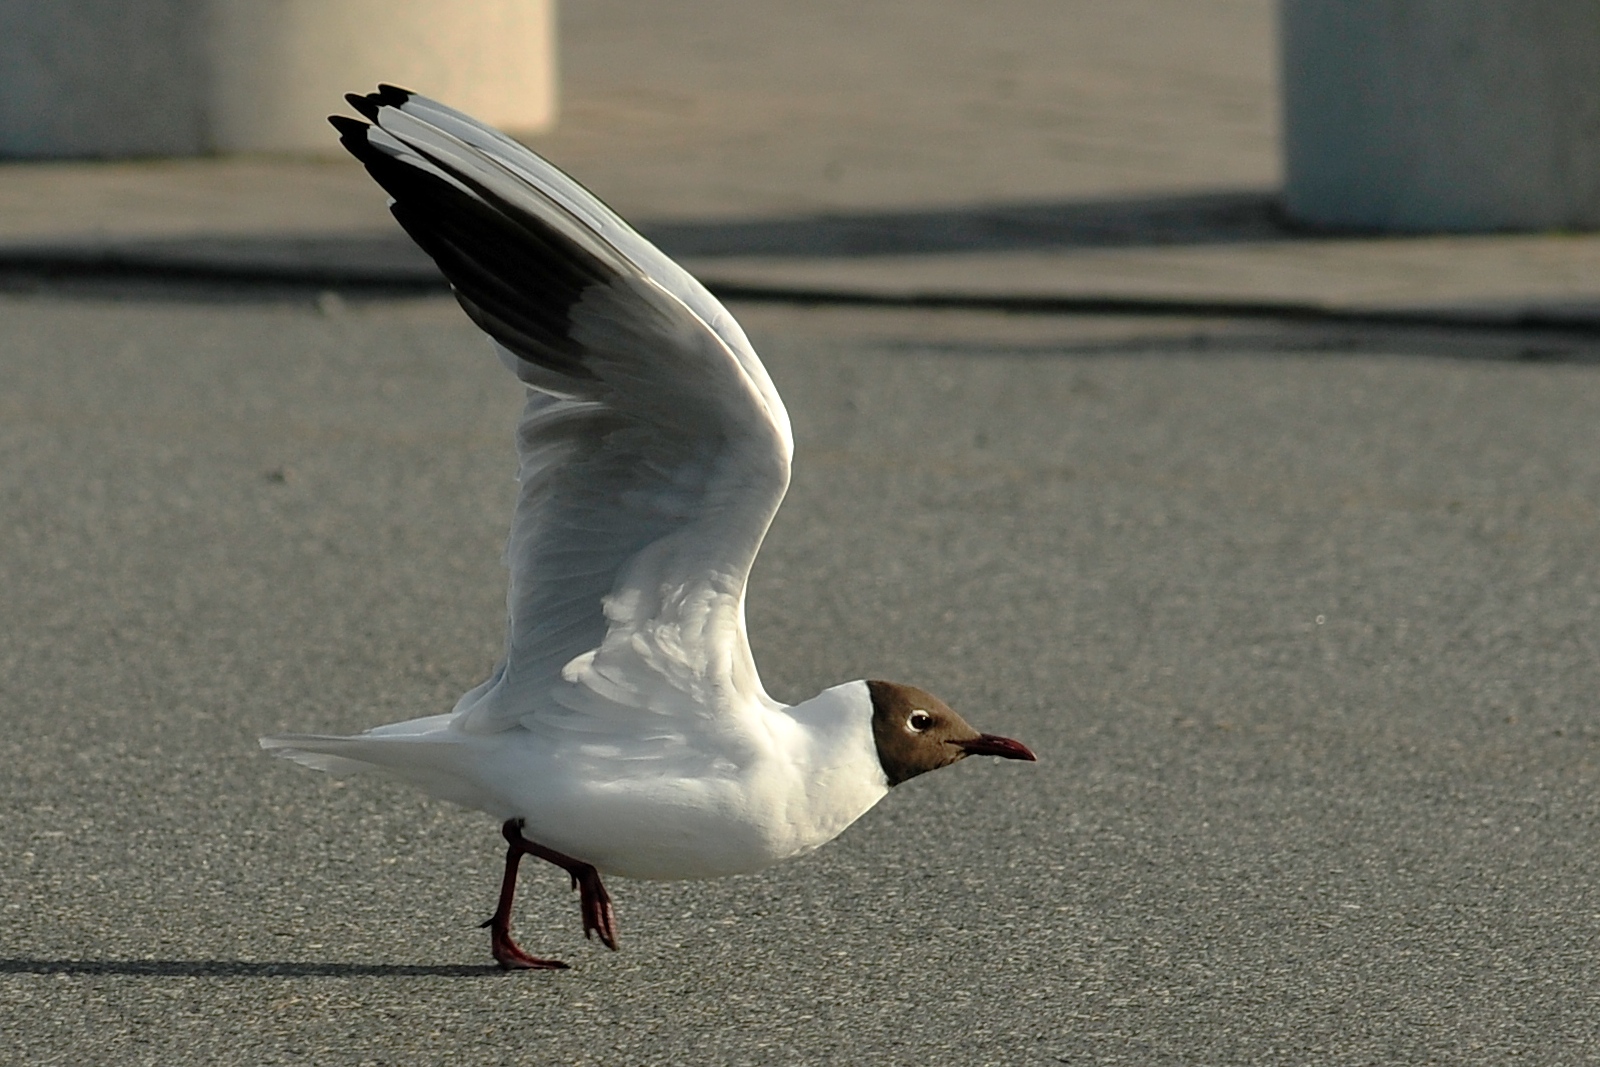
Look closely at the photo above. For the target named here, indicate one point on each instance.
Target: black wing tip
(369, 104)
(352, 132)
(365, 104)
(353, 135)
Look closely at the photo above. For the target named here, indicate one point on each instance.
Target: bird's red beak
(995, 745)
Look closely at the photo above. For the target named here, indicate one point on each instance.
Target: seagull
(625, 731)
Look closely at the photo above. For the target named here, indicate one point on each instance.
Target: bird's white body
(774, 784)
(626, 726)
(625, 731)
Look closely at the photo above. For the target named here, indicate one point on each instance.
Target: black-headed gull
(626, 729)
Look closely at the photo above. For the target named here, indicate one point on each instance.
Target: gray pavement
(1301, 626)
(1300, 618)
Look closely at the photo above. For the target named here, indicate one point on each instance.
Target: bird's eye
(919, 721)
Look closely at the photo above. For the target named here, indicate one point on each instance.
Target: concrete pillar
(108, 78)
(100, 78)
(1464, 115)
(280, 66)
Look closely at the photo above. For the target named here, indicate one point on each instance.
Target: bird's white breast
(800, 776)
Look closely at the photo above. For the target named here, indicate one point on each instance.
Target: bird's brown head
(917, 732)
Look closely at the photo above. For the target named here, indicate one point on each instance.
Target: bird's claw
(509, 955)
(598, 917)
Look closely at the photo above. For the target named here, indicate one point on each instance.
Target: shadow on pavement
(1227, 217)
(392, 258)
(388, 264)
(240, 969)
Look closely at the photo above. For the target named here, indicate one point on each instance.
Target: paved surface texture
(1301, 619)
(1301, 625)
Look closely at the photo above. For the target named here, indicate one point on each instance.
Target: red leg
(595, 902)
(598, 917)
(506, 952)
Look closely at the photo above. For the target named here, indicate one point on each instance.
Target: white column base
(118, 78)
(1465, 115)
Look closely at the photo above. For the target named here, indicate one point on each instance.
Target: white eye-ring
(919, 721)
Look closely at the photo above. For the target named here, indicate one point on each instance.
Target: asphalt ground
(1300, 621)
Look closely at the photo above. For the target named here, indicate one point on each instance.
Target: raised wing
(654, 449)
